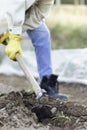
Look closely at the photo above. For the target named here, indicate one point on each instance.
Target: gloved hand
(3, 37)
(13, 46)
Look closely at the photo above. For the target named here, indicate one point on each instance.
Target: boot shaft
(51, 82)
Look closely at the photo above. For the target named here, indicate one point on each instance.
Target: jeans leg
(41, 41)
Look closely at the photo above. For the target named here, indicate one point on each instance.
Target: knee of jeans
(43, 39)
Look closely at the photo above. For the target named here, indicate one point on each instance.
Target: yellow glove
(3, 37)
(13, 46)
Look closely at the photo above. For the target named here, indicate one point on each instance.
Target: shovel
(38, 91)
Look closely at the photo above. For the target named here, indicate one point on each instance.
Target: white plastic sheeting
(69, 64)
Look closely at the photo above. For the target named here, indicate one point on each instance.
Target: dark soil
(20, 109)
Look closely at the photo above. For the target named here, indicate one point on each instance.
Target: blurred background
(67, 22)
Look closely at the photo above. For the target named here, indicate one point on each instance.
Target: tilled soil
(19, 110)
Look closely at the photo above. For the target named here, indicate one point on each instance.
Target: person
(13, 11)
(34, 24)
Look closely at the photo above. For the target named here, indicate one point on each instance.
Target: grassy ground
(68, 25)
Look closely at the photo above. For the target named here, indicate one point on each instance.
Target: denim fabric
(41, 41)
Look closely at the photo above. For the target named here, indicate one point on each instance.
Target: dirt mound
(20, 110)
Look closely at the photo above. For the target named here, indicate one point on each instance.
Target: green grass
(68, 25)
(61, 116)
(68, 36)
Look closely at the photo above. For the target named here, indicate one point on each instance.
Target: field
(68, 25)
(19, 110)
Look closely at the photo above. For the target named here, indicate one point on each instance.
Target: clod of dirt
(42, 112)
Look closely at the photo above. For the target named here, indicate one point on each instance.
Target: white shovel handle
(28, 75)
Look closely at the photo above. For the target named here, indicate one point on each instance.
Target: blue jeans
(41, 41)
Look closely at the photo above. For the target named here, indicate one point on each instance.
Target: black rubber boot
(51, 86)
